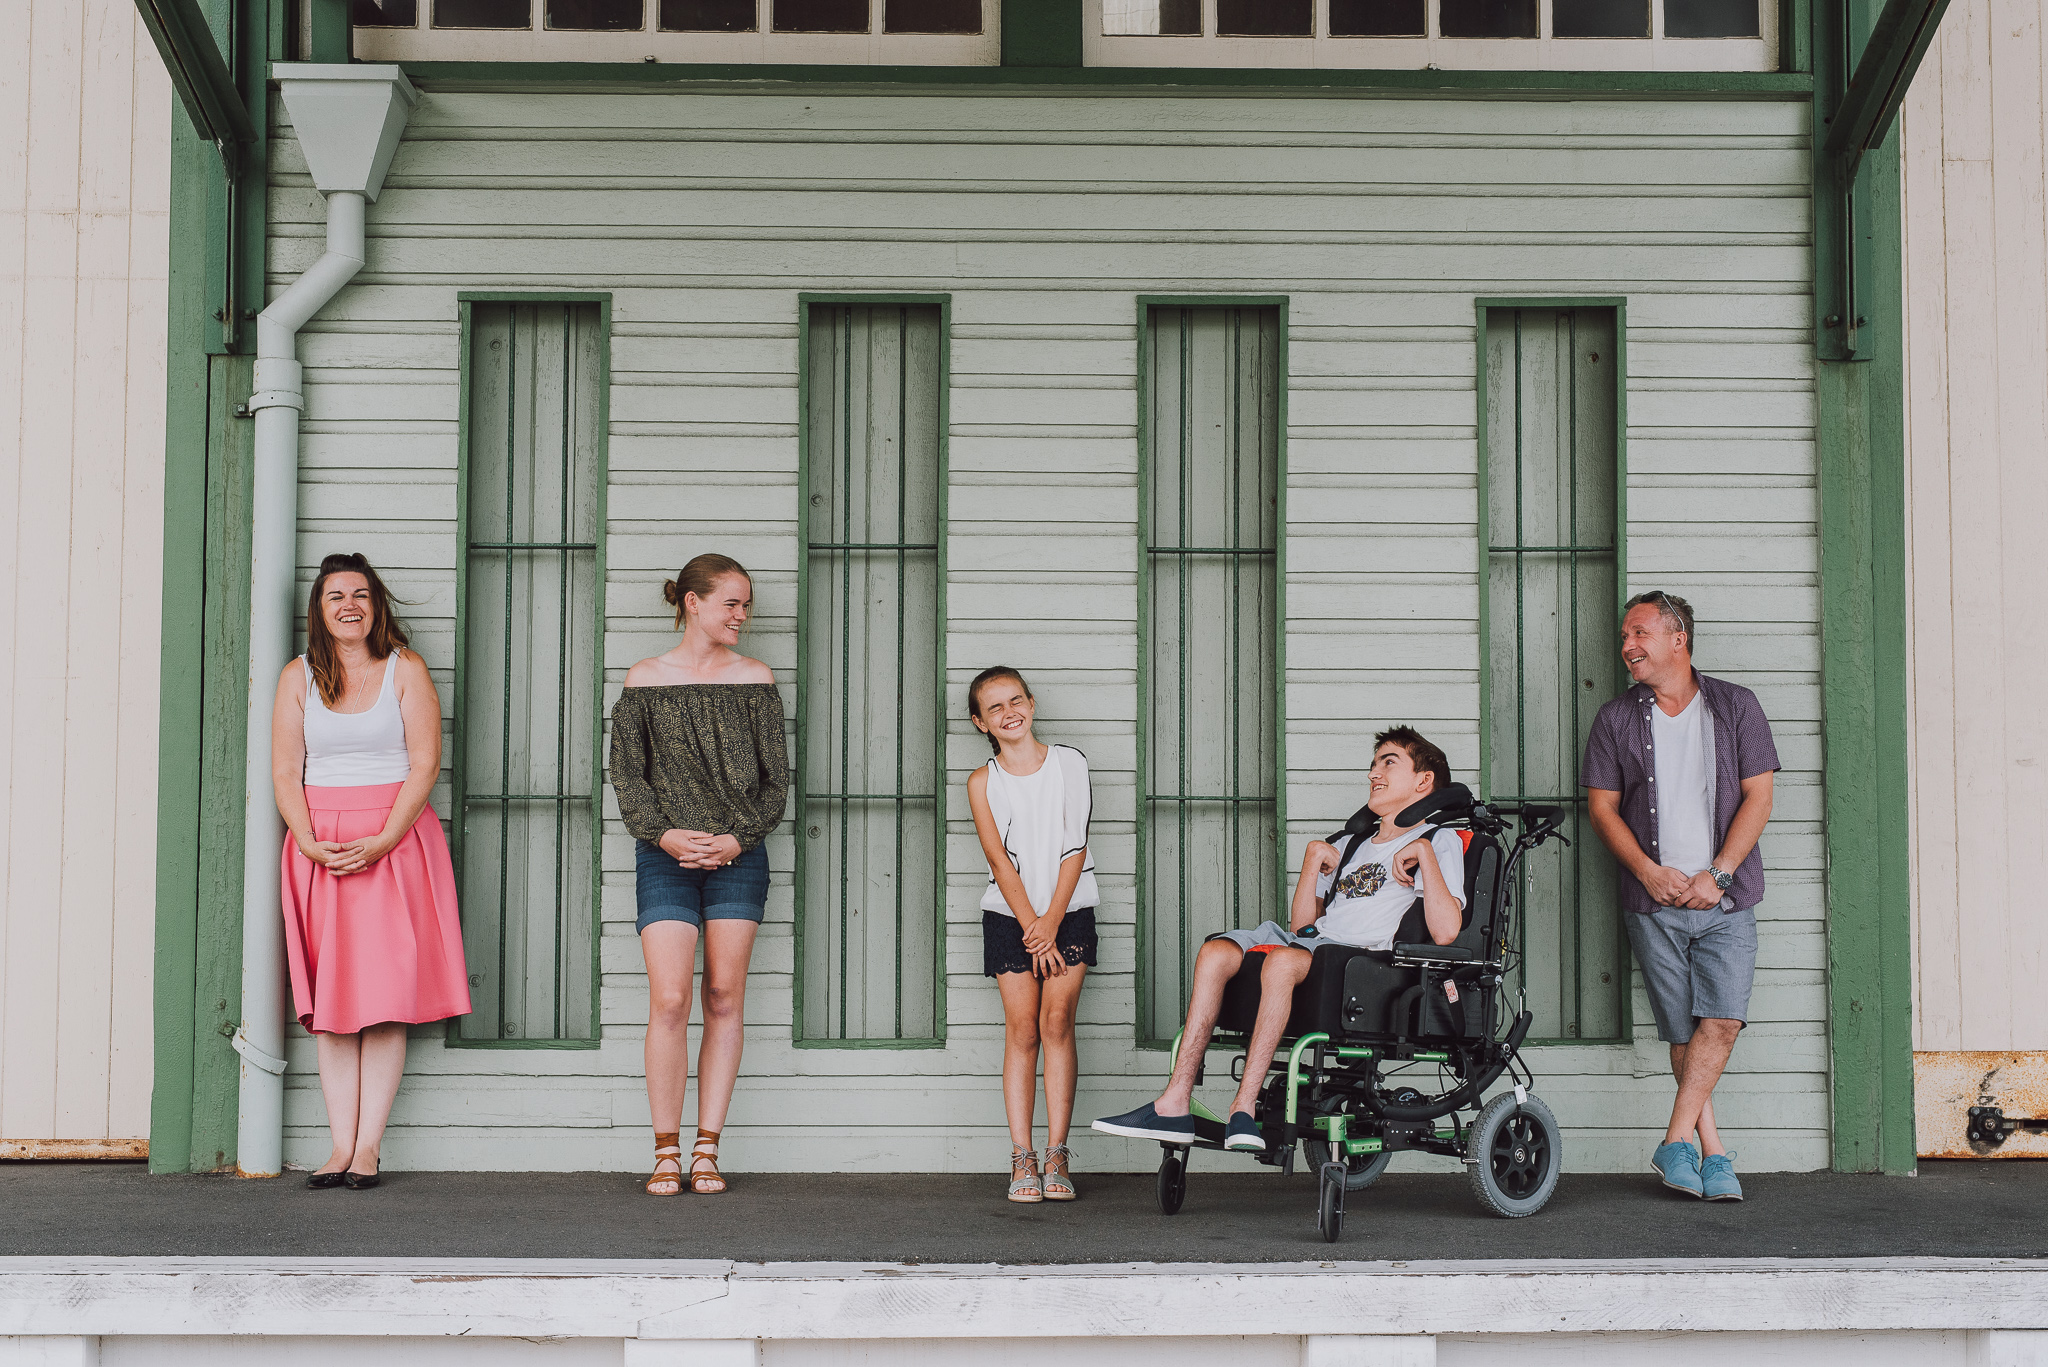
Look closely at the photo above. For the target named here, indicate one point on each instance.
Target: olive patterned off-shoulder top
(700, 757)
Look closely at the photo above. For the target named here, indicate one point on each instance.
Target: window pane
(1376, 18)
(1487, 19)
(871, 804)
(1712, 19)
(1211, 856)
(483, 13)
(707, 16)
(821, 16)
(526, 717)
(1552, 655)
(384, 13)
(931, 16)
(1161, 17)
(606, 15)
(1600, 19)
(1266, 18)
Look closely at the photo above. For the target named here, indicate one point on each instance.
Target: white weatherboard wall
(1976, 271)
(84, 210)
(706, 213)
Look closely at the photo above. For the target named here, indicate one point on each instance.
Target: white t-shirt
(1363, 903)
(1683, 796)
(1043, 820)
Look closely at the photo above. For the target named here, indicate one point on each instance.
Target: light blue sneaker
(1717, 1176)
(1678, 1163)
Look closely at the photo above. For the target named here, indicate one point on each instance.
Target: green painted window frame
(458, 797)
(1145, 304)
(1481, 306)
(804, 302)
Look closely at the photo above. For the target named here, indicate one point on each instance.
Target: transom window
(901, 32)
(1678, 35)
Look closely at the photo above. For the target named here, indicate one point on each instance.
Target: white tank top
(356, 749)
(1042, 819)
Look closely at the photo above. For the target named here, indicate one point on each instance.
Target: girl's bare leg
(341, 1062)
(383, 1068)
(728, 946)
(1059, 998)
(1021, 997)
(670, 948)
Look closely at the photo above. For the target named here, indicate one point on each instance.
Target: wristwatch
(1721, 880)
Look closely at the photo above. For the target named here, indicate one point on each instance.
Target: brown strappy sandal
(705, 1150)
(667, 1149)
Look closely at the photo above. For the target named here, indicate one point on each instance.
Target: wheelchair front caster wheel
(1173, 1180)
(1330, 1187)
(1514, 1153)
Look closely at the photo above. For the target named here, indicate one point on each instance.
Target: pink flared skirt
(384, 944)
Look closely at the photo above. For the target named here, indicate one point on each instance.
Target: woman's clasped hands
(342, 858)
(699, 849)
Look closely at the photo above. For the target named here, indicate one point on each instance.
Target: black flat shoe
(322, 1181)
(360, 1181)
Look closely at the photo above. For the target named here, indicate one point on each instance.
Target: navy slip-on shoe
(1242, 1134)
(1146, 1123)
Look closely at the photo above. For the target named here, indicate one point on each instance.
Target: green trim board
(1484, 541)
(805, 300)
(1744, 85)
(1145, 304)
(1860, 439)
(458, 803)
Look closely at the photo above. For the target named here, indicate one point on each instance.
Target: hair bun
(669, 593)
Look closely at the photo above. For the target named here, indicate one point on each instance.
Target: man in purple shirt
(1678, 776)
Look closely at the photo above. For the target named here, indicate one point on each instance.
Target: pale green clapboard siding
(1043, 218)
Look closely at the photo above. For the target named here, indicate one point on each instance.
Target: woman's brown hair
(988, 676)
(700, 577)
(386, 635)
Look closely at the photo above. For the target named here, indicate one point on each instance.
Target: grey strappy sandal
(1059, 1186)
(1025, 1185)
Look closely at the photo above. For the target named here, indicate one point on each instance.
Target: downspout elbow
(279, 381)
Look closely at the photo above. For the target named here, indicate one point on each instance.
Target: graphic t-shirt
(1363, 902)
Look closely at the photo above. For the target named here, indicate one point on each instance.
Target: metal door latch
(1990, 1125)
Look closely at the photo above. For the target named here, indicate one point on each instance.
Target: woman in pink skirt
(370, 925)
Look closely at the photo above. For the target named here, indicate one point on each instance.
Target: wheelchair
(1385, 1051)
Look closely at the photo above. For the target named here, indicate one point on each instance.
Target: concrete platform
(1951, 1210)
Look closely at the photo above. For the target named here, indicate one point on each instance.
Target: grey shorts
(1271, 935)
(1697, 965)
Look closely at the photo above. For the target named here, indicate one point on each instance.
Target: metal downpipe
(273, 593)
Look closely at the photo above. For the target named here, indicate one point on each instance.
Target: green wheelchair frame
(1331, 1099)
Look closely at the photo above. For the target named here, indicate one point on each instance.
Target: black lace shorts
(1002, 941)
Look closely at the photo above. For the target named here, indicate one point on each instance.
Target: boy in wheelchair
(1360, 904)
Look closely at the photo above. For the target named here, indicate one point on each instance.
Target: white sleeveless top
(356, 749)
(1043, 819)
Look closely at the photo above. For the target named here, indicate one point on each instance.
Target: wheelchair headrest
(1453, 802)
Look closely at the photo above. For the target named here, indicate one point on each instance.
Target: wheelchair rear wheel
(1330, 1185)
(1361, 1169)
(1514, 1153)
(1173, 1180)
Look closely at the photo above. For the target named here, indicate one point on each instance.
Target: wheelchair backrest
(1480, 929)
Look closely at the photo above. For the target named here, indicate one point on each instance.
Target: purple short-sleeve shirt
(1619, 759)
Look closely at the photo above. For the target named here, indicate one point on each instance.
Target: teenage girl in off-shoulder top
(700, 770)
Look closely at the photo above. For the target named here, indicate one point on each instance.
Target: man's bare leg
(1698, 1065)
(1283, 971)
(1215, 965)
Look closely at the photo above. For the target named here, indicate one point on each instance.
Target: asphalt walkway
(1997, 1210)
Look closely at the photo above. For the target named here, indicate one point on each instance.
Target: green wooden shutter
(1209, 706)
(527, 693)
(870, 720)
(1553, 472)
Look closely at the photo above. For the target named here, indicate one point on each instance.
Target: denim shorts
(1697, 965)
(666, 891)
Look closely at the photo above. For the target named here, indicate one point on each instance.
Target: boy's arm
(1318, 859)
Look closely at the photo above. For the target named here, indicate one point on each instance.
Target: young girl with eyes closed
(1031, 805)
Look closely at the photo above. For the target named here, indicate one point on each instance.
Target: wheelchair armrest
(1458, 954)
